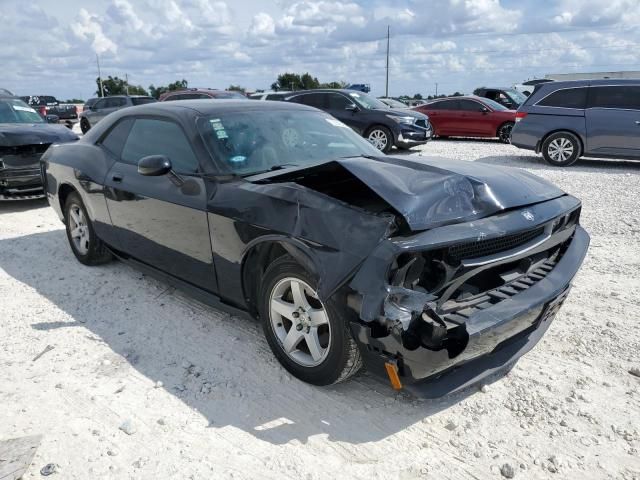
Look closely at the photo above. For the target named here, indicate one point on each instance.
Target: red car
(469, 117)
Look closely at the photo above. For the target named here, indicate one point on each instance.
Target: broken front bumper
(498, 334)
(20, 177)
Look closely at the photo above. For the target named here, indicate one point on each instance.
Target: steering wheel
(291, 137)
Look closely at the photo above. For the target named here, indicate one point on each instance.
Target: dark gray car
(104, 106)
(592, 118)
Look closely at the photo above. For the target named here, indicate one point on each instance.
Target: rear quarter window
(619, 97)
(566, 98)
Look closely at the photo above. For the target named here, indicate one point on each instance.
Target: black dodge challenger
(24, 137)
(433, 273)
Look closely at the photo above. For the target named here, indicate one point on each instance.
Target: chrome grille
(482, 248)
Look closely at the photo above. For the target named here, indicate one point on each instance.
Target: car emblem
(528, 215)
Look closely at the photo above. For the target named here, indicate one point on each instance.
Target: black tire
(559, 139)
(378, 131)
(343, 357)
(96, 251)
(84, 125)
(504, 132)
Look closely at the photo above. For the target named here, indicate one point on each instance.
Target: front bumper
(413, 135)
(497, 335)
(20, 180)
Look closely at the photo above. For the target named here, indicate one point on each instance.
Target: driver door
(161, 220)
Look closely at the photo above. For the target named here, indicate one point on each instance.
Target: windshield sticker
(336, 123)
(217, 126)
(23, 109)
(237, 159)
(221, 134)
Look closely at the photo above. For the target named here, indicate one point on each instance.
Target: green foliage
(73, 100)
(295, 81)
(118, 86)
(417, 96)
(236, 88)
(155, 92)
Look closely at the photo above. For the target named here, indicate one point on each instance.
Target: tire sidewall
(387, 132)
(576, 149)
(86, 259)
(329, 370)
(502, 127)
(84, 125)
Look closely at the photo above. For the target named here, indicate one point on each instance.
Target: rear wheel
(561, 149)
(86, 246)
(504, 132)
(380, 137)
(84, 125)
(310, 338)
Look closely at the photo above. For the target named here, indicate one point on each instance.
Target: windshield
(516, 96)
(367, 101)
(393, 103)
(256, 141)
(494, 105)
(16, 111)
(142, 100)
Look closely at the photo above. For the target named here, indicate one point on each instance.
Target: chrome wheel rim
(378, 139)
(560, 149)
(78, 229)
(505, 133)
(300, 322)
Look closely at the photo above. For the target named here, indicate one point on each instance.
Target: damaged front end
(447, 307)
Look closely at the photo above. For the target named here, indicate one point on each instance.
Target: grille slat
(482, 248)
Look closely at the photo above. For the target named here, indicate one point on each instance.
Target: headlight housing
(405, 120)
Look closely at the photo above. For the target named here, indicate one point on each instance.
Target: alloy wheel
(560, 149)
(505, 133)
(378, 139)
(300, 322)
(79, 229)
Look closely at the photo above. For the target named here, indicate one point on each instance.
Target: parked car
(415, 103)
(527, 88)
(434, 275)
(591, 118)
(49, 105)
(507, 97)
(384, 127)
(469, 117)
(106, 105)
(393, 103)
(268, 95)
(201, 93)
(89, 103)
(24, 137)
(359, 87)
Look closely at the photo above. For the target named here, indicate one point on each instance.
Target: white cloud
(89, 29)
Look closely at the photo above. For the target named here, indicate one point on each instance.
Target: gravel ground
(143, 382)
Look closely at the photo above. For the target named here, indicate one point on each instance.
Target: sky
(50, 46)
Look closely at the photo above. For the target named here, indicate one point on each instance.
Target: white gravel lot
(201, 396)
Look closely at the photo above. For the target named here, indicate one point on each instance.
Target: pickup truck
(48, 105)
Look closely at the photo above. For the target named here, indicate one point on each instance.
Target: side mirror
(52, 118)
(154, 165)
(352, 108)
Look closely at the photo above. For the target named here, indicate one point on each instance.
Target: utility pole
(436, 89)
(99, 76)
(126, 83)
(386, 90)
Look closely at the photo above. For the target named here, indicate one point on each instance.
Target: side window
(110, 103)
(566, 98)
(434, 106)
(114, 140)
(469, 106)
(450, 105)
(622, 97)
(312, 99)
(120, 102)
(337, 101)
(100, 104)
(150, 136)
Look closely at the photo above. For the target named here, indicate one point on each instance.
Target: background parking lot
(144, 382)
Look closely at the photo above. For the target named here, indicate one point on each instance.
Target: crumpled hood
(432, 191)
(15, 134)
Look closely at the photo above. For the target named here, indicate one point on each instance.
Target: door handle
(117, 177)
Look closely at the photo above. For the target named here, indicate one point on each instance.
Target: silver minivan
(586, 118)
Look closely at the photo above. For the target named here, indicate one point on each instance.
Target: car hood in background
(433, 191)
(401, 112)
(16, 134)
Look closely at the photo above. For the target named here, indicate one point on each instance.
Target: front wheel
(310, 338)
(561, 149)
(380, 137)
(84, 125)
(85, 245)
(504, 132)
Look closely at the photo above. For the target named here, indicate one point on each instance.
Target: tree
(333, 85)
(295, 81)
(118, 86)
(457, 94)
(236, 88)
(417, 96)
(155, 92)
(74, 100)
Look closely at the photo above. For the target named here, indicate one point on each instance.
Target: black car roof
(211, 107)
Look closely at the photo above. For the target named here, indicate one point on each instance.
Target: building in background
(592, 76)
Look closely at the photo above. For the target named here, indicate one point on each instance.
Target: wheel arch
(561, 130)
(260, 253)
(502, 124)
(64, 190)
